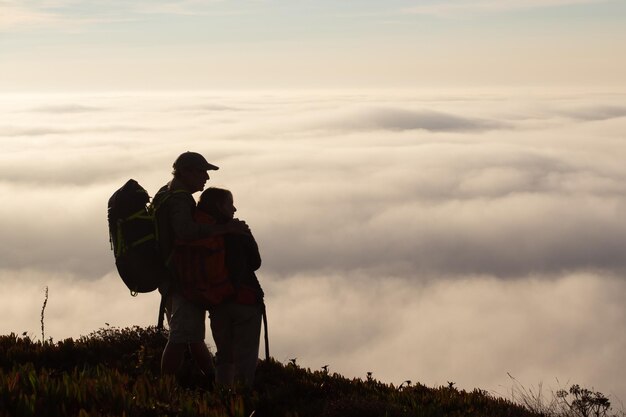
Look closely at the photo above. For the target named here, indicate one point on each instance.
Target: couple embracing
(212, 257)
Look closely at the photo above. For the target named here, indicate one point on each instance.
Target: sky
(254, 44)
(437, 187)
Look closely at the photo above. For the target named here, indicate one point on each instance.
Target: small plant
(584, 402)
(43, 309)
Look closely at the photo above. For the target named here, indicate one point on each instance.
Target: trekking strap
(267, 339)
(161, 312)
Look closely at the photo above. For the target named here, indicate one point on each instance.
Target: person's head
(192, 170)
(218, 203)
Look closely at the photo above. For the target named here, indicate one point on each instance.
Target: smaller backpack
(201, 268)
(133, 239)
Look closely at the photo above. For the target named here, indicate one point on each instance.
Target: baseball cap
(193, 160)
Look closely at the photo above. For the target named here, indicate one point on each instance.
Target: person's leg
(174, 352)
(187, 331)
(246, 336)
(201, 355)
(172, 358)
(225, 374)
(221, 329)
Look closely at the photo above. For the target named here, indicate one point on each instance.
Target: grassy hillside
(115, 372)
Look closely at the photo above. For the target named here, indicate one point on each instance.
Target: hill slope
(114, 372)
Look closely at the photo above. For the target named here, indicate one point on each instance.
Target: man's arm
(186, 228)
(234, 226)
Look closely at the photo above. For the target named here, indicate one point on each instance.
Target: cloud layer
(419, 237)
(472, 7)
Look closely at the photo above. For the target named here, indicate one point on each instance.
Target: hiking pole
(267, 339)
(161, 312)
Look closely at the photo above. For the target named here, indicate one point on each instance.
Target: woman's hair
(211, 200)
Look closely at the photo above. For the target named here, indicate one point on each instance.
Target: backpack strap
(120, 241)
(157, 202)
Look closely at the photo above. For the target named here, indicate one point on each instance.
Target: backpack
(133, 239)
(134, 243)
(201, 268)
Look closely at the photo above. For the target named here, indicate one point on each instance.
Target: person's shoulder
(162, 190)
(177, 188)
(171, 195)
(161, 195)
(181, 198)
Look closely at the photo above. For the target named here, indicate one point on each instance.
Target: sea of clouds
(430, 236)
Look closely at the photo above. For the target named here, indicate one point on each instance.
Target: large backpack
(133, 240)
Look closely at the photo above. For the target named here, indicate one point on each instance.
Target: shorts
(186, 321)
